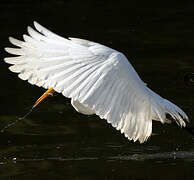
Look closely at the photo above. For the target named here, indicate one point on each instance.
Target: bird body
(99, 80)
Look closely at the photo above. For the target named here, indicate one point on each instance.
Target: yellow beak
(44, 96)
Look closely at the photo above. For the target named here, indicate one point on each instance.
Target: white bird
(99, 80)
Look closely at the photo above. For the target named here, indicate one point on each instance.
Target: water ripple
(187, 155)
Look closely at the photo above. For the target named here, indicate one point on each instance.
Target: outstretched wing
(94, 75)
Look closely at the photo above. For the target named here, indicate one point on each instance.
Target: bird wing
(94, 75)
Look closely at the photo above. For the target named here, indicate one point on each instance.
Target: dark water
(55, 142)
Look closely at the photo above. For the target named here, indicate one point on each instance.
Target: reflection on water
(186, 155)
(54, 141)
(159, 156)
(83, 158)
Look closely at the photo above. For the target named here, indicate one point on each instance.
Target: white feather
(99, 80)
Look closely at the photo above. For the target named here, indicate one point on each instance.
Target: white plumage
(98, 79)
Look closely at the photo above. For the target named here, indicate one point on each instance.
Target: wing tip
(36, 25)
(7, 60)
(8, 49)
(29, 28)
(14, 51)
(11, 39)
(16, 42)
(13, 69)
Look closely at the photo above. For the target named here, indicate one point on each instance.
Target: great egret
(99, 80)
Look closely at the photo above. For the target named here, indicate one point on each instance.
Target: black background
(55, 142)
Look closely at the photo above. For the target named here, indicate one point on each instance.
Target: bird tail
(161, 107)
(176, 113)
